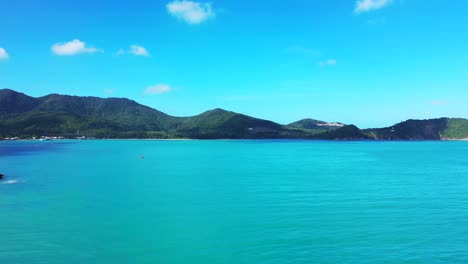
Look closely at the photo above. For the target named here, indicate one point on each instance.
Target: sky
(370, 63)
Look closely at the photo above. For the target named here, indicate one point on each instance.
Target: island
(62, 117)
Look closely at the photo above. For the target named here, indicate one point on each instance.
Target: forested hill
(24, 116)
(430, 129)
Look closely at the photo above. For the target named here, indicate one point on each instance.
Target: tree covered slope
(430, 129)
(71, 116)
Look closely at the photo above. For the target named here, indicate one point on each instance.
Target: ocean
(233, 201)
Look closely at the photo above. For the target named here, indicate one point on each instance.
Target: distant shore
(113, 139)
(218, 139)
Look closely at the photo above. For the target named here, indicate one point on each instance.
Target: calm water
(234, 202)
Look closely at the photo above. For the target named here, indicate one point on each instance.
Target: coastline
(234, 139)
(454, 139)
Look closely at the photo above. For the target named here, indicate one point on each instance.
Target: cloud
(3, 54)
(191, 12)
(369, 5)
(136, 50)
(157, 89)
(73, 47)
(330, 62)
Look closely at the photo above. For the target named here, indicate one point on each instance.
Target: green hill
(457, 128)
(69, 115)
(348, 132)
(430, 129)
(72, 116)
(315, 124)
(315, 127)
(219, 123)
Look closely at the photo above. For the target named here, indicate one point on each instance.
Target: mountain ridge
(70, 116)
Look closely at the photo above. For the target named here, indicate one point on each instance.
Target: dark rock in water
(1, 176)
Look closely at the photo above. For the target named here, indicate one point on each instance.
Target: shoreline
(233, 139)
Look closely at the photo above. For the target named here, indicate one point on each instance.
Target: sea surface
(233, 202)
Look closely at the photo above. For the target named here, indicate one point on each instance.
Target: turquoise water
(234, 202)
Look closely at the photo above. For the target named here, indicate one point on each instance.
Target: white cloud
(369, 5)
(191, 12)
(330, 62)
(138, 50)
(157, 89)
(3, 54)
(71, 48)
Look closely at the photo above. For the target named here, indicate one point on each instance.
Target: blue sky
(367, 62)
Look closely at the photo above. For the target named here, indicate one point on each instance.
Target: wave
(11, 182)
